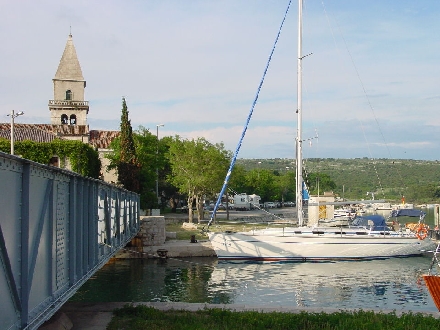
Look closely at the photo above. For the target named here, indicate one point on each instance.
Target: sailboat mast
(299, 177)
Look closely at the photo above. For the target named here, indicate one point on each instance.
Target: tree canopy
(198, 168)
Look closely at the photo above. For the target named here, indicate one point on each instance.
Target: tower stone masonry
(68, 106)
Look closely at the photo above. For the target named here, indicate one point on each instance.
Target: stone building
(68, 113)
(68, 106)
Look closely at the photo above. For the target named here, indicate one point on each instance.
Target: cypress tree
(128, 167)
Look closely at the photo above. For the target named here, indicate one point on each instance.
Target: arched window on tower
(64, 119)
(68, 94)
(72, 119)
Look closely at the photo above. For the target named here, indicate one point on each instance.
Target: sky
(370, 85)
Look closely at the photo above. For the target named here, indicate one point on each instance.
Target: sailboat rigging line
(234, 158)
(302, 57)
(369, 105)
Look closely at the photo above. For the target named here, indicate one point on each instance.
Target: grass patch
(143, 317)
(220, 226)
(182, 233)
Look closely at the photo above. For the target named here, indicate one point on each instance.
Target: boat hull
(433, 284)
(318, 246)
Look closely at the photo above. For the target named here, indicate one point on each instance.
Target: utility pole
(13, 115)
(157, 156)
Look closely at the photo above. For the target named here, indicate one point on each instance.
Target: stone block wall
(152, 231)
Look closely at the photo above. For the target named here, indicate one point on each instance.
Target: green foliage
(168, 192)
(128, 166)
(319, 182)
(82, 157)
(143, 317)
(285, 185)
(237, 181)
(390, 179)
(149, 158)
(198, 168)
(150, 155)
(128, 176)
(128, 150)
(270, 185)
(263, 182)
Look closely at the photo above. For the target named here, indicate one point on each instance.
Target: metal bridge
(57, 229)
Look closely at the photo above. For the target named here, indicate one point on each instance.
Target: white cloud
(195, 66)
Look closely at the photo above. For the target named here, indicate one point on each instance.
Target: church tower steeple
(68, 106)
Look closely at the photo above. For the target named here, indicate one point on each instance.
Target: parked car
(221, 206)
(230, 206)
(269, 205)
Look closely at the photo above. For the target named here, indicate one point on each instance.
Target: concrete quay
(154, 242)
(171, 249)
(152, 236)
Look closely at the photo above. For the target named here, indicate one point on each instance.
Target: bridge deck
(57, 229)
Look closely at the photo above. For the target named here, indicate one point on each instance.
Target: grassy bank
(220, 225)
(143, 317)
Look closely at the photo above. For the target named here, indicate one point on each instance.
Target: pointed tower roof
(69, 68)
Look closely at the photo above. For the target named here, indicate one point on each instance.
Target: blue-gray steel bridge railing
(57, 229)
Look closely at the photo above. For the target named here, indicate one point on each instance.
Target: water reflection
(386, 284)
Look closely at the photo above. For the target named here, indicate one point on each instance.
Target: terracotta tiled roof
(49, 132)
(57, 130)
(27, 132)
(102, 139)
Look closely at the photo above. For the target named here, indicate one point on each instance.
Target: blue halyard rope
(228, 174)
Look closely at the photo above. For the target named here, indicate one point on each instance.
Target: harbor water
(391, 284)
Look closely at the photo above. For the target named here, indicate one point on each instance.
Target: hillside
(388, 178)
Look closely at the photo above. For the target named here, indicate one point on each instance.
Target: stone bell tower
(68, 106)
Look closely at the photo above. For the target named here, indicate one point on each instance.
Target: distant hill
(391, 178)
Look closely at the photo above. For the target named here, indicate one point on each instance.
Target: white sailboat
(369, 238)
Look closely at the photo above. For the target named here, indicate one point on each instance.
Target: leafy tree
(268, 184)
(423, 193)
(198, 168)
(128, 165)
(145, 146)
(262, 182)
(237, 182)
(437, 192)
(169, 194)
(285, 185)
(150, 155)
(319, 182)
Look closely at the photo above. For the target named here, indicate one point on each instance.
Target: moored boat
(366, 238)
(432, 280)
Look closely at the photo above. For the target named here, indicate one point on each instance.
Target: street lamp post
(157, 154)
(13, 115)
